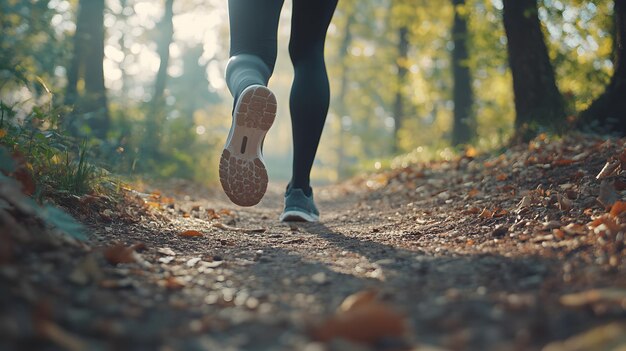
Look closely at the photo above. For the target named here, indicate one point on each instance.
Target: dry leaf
(190, 233)
(212, 214)
(473, 193)
(118, 253)
(486, 214)
(172, 283)
(562, 162)
(618, 208)
(604, 223)
(363, 319)
(226, 212)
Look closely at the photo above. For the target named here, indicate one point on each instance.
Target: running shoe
(242, 170)
(299, 207)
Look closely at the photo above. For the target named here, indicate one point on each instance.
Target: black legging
(253, 28)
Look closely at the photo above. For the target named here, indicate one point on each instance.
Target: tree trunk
(342, 107)
(538, 102)
(402, 70)
(166, 28)
(464, 128)
(87, 63)
(608, 112)
(156, 115)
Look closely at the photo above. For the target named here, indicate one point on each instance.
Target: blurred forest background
(137, 86)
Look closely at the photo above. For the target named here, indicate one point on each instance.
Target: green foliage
(54, 159)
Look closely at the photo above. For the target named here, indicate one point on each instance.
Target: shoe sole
(298, 216)
(242, 170)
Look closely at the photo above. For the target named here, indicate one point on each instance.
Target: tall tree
(463, 129)
(86, 64)
(538, 102)
(156, 115)
(342, 106)
(401, 77)
(608, 111)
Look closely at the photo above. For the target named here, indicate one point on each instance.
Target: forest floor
(518, 251)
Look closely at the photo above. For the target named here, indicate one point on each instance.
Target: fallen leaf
(363, 319)
(226, 212)
(472, 210)
(604, 223)
(473, 193)
(118, 253)
(3, 133)
(618, 208)
(486, 214)
(172, 283)
(562, 162)
(558, 233)
(212, 214)
(190, 233)
(153, 204)
(501, 177)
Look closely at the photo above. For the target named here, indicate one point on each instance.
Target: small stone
(319, 278)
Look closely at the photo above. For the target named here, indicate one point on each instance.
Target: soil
(516, 251)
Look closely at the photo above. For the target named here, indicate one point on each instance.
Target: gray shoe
(299, 207)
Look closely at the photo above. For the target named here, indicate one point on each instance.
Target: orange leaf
(190, 233)
(226, 212)
(486, 213)
(364, 320)
(153, 204)
(617, 208)
(3, 133)
(212, 214)
(118, 253)
(173, 283)
(502, 176)
(473, 193)
(562, 162)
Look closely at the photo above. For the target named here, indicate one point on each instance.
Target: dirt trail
(464, 280)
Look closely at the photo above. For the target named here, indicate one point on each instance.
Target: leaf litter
(481, 252)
